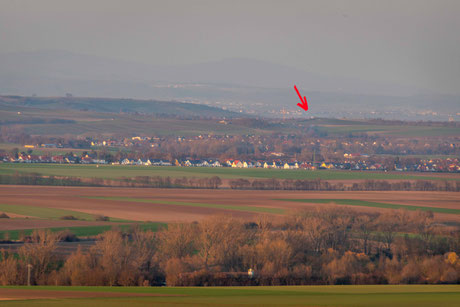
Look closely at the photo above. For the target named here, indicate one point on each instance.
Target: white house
(216, 164)
(126, 161)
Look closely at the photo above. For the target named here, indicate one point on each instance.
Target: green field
(44, 213)
(390, 130)
(118, 171)
(357, 296)
(155, 126)
(49, 213)
(37, 121)
(83, 231)
(363, 203)
(200, 205)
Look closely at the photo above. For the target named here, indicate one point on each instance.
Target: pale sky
(410, 42)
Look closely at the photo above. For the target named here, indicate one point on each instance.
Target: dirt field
(123, 202)
(31, 294)
(16, 224)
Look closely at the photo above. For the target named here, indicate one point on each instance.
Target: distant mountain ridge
(241, 85)
(55, 69)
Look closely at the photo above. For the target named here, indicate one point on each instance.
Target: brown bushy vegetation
(325, 245)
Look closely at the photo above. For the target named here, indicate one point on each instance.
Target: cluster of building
(432, 165)
(438, 165)
(59, 159)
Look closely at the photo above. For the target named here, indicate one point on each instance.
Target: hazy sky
(412, 42)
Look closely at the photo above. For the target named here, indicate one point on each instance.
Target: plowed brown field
(76, 199)
(16, 224)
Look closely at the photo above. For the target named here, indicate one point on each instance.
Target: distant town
(350, 161)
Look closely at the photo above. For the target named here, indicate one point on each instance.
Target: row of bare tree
(327, 245)
(215, 182)
(324, 185)
(138, 181)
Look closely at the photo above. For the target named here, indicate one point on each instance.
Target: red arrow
(304, 104)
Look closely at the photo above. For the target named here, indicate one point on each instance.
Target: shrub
(102, 218)
(3, 215)
(68, 217)
(67, 236)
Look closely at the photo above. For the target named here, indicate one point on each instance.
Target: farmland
(389, 130)
(399, 295)
(118, 171)
(197, 205)
(44, 213)
(90, 230)
(361, 203)
(61, 116)
(43, 206)
(155, 153)
(60, 121)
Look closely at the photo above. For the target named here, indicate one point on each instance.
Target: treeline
(322, 246)
(216, 182)
(36, 120)
(38, 179)
(429, 123)
(138, 181)
(324, 185)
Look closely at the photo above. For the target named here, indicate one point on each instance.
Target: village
(354, 161)
(274, 151)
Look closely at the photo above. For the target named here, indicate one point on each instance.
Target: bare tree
(40, 254)
(364, 225)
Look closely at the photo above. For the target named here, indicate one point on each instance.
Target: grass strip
(363, 203)
(201, 205)
(83, 231)
(116, 172)
(50, 213)
(44, 213)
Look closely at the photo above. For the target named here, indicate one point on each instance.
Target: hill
(73, 116)
(112, 105)
(254, 86)
(70, 116)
